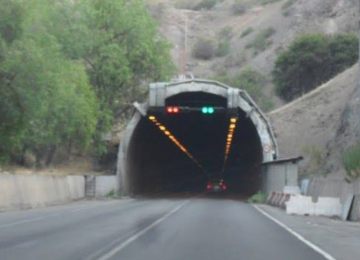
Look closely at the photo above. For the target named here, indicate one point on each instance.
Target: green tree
(46, 100)
(68, 69)
(312, 60)
(119, 43)
(11, 18)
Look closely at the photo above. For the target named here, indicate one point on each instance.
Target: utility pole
(183, 50)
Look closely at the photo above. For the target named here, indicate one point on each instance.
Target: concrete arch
(160, 92)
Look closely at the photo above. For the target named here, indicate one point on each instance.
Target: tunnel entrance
(158, 165)
(178, 152)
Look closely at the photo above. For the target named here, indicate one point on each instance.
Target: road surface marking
(297, 235)
(141, 233)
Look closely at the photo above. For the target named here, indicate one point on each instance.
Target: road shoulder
(340, 239)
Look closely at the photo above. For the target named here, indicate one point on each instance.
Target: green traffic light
(207, 110)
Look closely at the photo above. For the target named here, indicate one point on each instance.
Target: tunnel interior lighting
(229, 139)
(173, 139)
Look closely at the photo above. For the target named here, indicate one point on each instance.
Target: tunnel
(151, 162)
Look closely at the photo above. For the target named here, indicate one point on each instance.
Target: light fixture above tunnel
(173, 139)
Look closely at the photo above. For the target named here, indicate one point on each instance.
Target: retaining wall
(105, 184)
(338, 188)
(29, 191)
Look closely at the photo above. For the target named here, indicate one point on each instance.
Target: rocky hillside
(321, 124)
(256, 32)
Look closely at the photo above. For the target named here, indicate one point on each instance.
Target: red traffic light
(172, 110)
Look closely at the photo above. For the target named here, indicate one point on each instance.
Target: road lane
(217, 229)
(168, 229)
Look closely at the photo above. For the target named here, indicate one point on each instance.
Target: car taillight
(208, 186)
(224, 187)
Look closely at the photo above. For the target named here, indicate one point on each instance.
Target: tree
(118, 42)
(45, 99)
(68, 69)
(312, 60)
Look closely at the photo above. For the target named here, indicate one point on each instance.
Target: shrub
(316, 157)
(240, 7)
(259, 197)
(225, 32)
(261, 41)
(266, 2)
(247, 32)
(351, 161)
(286, 6)
(223, 48)
(112, 195)
(250, 80)
(186, 4)
(237, 60)
(204, 49)
(312, 60)
(207, 4)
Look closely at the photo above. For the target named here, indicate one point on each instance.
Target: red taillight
(208, 186)
(169, 110)
(224, 187)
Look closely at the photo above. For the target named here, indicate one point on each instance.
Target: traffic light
(207, 110)
(172, 110)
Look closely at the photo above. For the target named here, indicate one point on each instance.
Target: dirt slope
(321, 124)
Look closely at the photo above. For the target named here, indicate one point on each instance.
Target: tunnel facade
(175, 151)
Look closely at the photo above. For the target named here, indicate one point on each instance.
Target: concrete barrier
(285, 199)
(270, 197)
(336, 187)
(278, 199)
(328, 207)
(303, 205)
(29, 191)
(105, 185)
(300, 205)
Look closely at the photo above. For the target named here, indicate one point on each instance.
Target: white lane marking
(297, 235)
(142, 232)
(28, 221)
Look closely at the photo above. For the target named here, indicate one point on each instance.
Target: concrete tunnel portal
(151, 162)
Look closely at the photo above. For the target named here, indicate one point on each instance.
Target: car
(216, 185)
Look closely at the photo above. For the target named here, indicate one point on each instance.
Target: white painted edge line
(141, 233)
(297, 235)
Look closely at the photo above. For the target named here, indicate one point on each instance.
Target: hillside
(286, 19)
(321, 124)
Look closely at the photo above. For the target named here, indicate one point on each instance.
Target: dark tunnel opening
(156, 164)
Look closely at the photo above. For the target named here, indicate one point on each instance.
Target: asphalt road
(148, 229)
